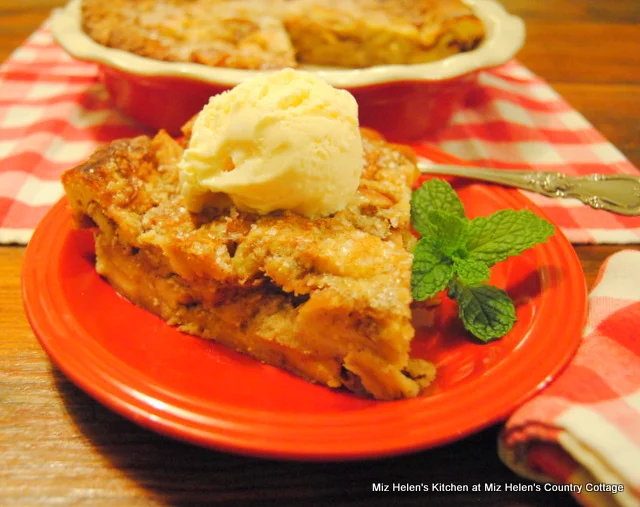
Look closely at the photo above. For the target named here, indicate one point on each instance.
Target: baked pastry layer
(236, 34)
(263, 34)
(326, 299)
(363, 33)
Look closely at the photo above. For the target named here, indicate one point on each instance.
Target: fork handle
(618, 193)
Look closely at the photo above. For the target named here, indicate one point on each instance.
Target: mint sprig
(457, 253)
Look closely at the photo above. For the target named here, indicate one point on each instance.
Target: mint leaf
(470, 271)
(431, 270)
(486, 311)
(505, 233)
(448, 231)
(434, 194)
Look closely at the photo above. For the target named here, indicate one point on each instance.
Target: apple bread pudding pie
(275, 226)
(327, 299)
(268, 34)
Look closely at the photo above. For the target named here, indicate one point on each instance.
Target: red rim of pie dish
(261, 419)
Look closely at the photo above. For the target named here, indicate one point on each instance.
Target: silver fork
(618, 193)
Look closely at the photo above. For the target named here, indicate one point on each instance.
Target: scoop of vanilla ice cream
(280, 141)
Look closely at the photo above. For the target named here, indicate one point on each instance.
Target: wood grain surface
(58, 446)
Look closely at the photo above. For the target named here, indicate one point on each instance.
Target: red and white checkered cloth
(54, 112)
(583, 431)
(515, 120)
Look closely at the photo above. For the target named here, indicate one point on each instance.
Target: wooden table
(59, 446)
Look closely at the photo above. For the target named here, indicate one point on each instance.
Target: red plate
(203, 393)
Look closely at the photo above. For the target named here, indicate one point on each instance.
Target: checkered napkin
(513, 119)
(54, 112)
(583, 431)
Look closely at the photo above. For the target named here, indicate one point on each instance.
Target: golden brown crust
(326, 299)
(235, 34)
(363, 33)
(262, 34)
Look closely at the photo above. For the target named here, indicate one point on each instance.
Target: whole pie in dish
(327, 299)
(268, 34)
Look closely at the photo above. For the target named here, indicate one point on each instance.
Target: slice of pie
(326, 299)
